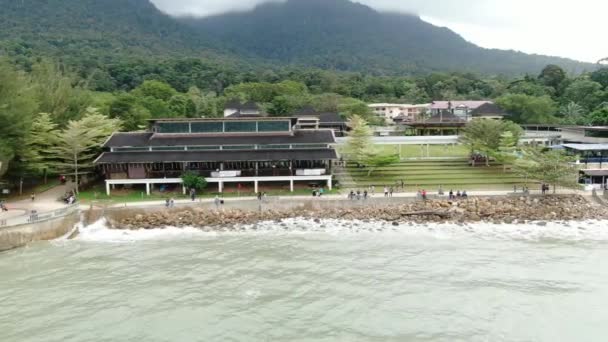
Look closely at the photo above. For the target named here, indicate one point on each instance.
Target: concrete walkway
(46, 201)
(404, 196)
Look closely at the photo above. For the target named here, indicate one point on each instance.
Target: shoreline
(508, 210)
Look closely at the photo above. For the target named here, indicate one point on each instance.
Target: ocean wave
(572, 231)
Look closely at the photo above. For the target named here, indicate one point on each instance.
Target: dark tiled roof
(445, 117)
(238, 114)
(249, 105)
(488, 109)
(129, 139)
(331, 117)
(149, 139)
(233, 104)
(215, 156)
(306, 111)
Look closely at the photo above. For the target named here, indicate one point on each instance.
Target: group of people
(68, 198)
(458, 195)
(544, 188)
(358, 195)
(318, 192)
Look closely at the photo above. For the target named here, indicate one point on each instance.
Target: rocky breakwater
(496, 210)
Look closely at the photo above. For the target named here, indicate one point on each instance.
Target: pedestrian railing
(35, 217)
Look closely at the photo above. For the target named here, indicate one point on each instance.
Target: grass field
(450, 174)
(433, 151)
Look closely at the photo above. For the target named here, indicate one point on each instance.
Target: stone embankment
(496, 210)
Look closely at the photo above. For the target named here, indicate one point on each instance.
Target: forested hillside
(342, 35)
(328, 34)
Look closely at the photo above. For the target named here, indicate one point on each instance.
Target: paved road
(45, 201)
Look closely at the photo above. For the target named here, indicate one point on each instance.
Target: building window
(168, 148)
(309, 146)
(207, 127)
(238, 147)
(173, 127)
(203, 148)
(131, 149)
(273, 147)
(273, 126)
(240, 126)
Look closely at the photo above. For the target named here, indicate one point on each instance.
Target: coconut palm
(571, 112)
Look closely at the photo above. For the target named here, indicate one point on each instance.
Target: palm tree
(571, 112)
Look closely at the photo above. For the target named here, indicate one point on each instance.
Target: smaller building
(489, 110)
(461, 109)
(442, 123)
(404, 112)
(235, 109)
(309, 118)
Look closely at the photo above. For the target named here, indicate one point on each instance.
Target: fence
(35, 217)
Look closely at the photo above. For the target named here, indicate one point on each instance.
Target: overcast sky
(575, 29)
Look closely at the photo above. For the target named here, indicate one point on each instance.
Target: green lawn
(433, 151)
(98, 194)
(450, 174)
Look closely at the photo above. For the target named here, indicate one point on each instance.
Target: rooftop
(587, 147)
(150, 139)
(456, 104)
(215, 156)
(488, 109)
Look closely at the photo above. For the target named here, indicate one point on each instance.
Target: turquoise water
(334, 281)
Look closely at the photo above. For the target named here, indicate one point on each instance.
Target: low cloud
(561, 28)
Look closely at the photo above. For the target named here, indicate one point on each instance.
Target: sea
(311, 281)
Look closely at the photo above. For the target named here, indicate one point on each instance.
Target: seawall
(20, 235)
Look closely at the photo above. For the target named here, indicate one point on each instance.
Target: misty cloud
(561, 28)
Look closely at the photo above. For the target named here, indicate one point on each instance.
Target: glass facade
(203, 148)
(207, 127)
(130, 149)
(309, 146)
(274, 147)
(239, 147)
(274, 126)
(240, 127)
(168, 148)
(173, 127)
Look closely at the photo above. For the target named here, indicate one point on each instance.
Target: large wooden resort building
(230, 151)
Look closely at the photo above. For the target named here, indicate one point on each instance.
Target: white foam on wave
(572, 231)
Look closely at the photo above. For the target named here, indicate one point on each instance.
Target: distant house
(462, 109)
(442, 123)
(402, 112)
(309, 118)
(236, 109)
(488, 111)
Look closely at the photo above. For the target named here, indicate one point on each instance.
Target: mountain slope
(340, 34)
(330, 34)
(76, 27)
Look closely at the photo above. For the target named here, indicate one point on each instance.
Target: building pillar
(256, 168)
(148, 189)
(291, 185)
(107, 188)
(220, 187)
(329, 184)
(255, 186)
(184, 189)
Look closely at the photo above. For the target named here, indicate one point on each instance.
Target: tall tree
(572, 112)
(37, 154)
(552, 76)
(374, 159)
(551, 167)
(484, 136)
(359, 139)
(17, 106)
(528, 109)
(80, 142)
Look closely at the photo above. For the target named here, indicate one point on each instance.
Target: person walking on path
(365, 194)
(390, 192)
(321, 192)
(192, 195)
(424, 195)
(373, 190)
(385, 191)
(217, 202)
(33, 197)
